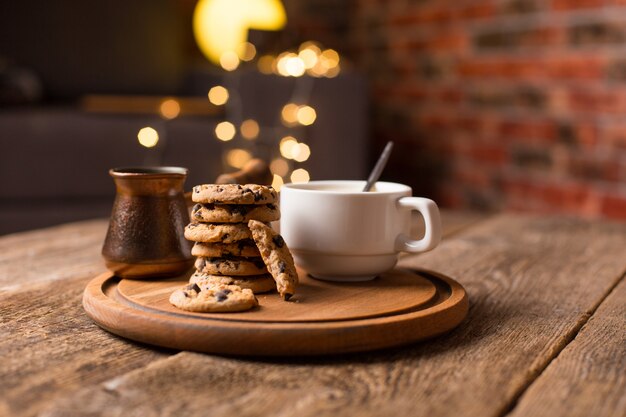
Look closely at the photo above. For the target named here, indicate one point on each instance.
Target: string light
(266, 64)
(306, 115)
(286, 146)
(237, 158)
(289, 113)
(247, 52)
(279, 167)
(148, 137)
(277, 182)
(300, 152)
(229, 60)
(218, 95)
(225, 131)
(300, 175)
(250, 129)
(169, 109)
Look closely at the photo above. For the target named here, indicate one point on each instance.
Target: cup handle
(432, 221)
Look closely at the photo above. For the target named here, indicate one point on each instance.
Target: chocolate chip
(220, 189)
(195, 287)
(258, 262)
(271, 206)
(225, 236)
(226, 291)
(281, 266)
(186, 295)
(196, 189)
(287, 296)
(278, 241)
(238, 187)
(222, 295)
(258, 196)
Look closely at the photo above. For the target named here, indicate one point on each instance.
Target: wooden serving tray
(397, 308)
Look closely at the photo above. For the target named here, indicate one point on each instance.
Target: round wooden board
(397, 308)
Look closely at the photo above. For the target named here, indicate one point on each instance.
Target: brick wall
(500, 104)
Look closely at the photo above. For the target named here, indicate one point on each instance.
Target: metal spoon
(379, 167)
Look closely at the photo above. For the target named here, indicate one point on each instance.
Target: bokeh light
(300, 175)
(279, 166)
(237, 158)
(225, 131)
(229, 60)
(289, 113)
(277, 182)
(306, 115)
(169, 108)
(218, 95)
(250, 129)
(148, 137)
(286, 146)
(247, 52)
(300, 152)
(266, 64)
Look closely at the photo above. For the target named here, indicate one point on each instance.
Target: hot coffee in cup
(337, 232)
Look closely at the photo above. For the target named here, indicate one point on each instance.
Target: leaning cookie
(256, 283)
(245, 248)
(276, 256)
(223, 233)
(234, 213)
(230, 266)
(234, 194)
(225, 298)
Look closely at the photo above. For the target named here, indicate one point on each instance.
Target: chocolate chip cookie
(230, 266)
(245, 248)
(224, 298)
(234, 213)
(223, 233)
(256, 283)
(276, 256)
(234, 194)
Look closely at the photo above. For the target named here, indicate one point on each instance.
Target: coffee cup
(337, 232)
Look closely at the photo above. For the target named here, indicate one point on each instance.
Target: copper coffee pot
(145, 237)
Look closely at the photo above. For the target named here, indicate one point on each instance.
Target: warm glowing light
(300, 175)
(333, 72)
(169, 109)
(237, 158)
(331, 57)
(286, 146)
(289, 113)
(301, 152)
(148, 137)
(266, 64)
(279, 167)
(247, 52)
(290, 65)
(295, 66)
(277, 182)
(308, 57)
(222, 25)
(250, 129)
(225, 131)
(218, 95)
(306, 115)
(229, 60)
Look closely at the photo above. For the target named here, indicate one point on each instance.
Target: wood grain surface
(589, 376)
(533, 284)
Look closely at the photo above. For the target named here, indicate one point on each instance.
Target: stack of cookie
(235, 248)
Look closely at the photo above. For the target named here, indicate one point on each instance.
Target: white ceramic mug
(337, 232)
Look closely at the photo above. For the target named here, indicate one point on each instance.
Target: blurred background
(492, 104)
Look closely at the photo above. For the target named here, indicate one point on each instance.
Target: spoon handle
(378, 168)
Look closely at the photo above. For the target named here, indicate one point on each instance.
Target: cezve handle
(432, 222)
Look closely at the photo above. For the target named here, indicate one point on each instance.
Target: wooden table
(545, 336)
